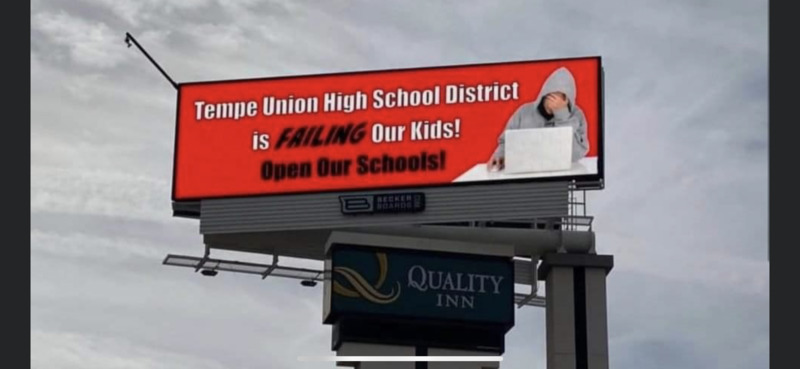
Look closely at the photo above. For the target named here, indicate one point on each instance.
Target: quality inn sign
(421, 285)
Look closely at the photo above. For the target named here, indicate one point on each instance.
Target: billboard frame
(587, 182)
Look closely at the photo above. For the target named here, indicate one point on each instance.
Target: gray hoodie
(531, 115)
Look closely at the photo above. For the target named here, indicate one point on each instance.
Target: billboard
(419, 285)
(377, 130)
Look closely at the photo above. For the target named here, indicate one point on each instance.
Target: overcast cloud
(684, 212)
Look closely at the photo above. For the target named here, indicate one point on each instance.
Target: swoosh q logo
(362, 288)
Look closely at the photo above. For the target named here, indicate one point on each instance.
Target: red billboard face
(493, 123)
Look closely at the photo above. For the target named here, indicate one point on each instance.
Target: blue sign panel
(421, 285)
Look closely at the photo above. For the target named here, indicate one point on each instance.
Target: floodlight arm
(129, 38)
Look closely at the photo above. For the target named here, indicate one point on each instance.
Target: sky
(684, 211)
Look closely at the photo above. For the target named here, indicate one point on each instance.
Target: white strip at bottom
(402, 358)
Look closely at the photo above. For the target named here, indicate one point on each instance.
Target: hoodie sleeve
(580, 141)
(513, 123)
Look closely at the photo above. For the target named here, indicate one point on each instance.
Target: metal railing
(576, 220)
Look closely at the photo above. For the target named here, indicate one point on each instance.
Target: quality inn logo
(363, 289)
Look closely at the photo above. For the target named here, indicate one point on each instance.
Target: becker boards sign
(380, 130)
(419, 285)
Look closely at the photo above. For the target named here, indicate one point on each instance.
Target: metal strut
(203, 261)
(129, 39)
(271, 268)
(534, 283)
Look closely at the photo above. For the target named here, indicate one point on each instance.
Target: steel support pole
(576, 319)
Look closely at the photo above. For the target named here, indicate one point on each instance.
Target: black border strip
(587, 178)
(17, 167)
(782, 252)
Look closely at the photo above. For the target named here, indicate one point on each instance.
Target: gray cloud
(684, 211)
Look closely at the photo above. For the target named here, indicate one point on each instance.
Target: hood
(559, 81)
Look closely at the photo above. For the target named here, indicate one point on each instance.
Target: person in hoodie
(554, 107)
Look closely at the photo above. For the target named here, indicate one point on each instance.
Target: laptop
(538, 149)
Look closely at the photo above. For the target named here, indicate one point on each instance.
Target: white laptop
(538, 149)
